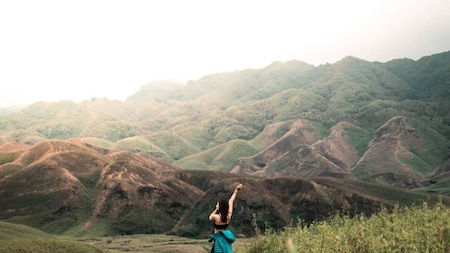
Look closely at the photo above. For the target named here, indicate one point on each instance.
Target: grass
(416, 164)
(147, 243)
(421, 228)
(6, 158)
(389, 194)
(16, 231)
(221, 158)
(157, 243)
(98, 142)
(142, 144)
(359, 139)
(45, 246)
(414, 229)
(442, 186)
(435, 144)
(8, 169)
(15, 238)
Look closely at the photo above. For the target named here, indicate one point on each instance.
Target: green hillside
(217, 121)
(10, 231)
(221, 158)
(188, 124)
(238, 105)
(15, 238)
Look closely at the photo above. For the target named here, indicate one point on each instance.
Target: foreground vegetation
(417, 229)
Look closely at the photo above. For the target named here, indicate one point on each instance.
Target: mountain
(158, 161)
(398, 155)
(297, 154)
(59, 184)
(203, 123)
(72, 187)
(397, 144)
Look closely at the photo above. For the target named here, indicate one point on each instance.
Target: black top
(222, 226)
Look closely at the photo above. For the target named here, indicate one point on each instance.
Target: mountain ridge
(121, 192)
(223, 108)
(334, 130)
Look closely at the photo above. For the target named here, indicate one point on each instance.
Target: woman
(221, 216)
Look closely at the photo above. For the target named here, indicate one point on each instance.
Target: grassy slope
(16, 231)
(98, 142)
(435, 145)
(238, 105)
(142, 144)
(388, 194)
(220, 158)
(16, 238)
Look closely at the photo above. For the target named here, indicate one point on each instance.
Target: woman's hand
(238, 187)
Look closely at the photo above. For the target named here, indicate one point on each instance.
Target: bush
(416, 229)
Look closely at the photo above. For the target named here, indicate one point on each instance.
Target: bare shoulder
(214, 217)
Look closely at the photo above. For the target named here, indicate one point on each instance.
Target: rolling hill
(16, 238)
(337, 135)
(56, 185)
(73, 188)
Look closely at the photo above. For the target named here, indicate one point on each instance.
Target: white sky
(54, 50)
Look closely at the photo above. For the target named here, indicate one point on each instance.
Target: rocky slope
(395, 156)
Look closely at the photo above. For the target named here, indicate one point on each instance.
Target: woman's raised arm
(231, 200)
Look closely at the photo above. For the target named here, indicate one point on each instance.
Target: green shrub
(415, 229)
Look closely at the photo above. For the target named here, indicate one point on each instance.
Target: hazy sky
(53, 50)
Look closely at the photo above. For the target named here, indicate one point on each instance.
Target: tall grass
(413, 229)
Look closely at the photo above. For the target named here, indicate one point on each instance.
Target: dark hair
(223, 210)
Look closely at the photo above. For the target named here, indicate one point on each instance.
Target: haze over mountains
(305, 141)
